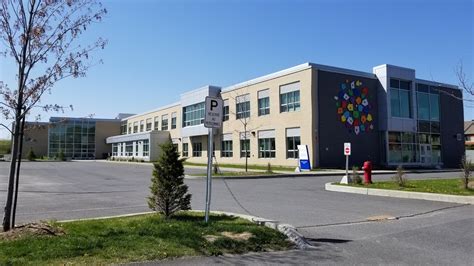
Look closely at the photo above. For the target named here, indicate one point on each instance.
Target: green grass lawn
(235, 174)
(242, 166)
(140, 238)
(442, 186)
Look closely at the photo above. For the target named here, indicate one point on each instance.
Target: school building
(390, 117)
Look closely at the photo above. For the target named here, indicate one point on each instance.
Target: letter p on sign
(213, 114)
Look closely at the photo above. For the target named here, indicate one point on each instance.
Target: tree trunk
(17, 182)
(246, 148)
(11, 179)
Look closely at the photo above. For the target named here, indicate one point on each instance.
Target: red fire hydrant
(367, 172)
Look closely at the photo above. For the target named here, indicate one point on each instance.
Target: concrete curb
(401, 194)
(316, 174)
(286, 229)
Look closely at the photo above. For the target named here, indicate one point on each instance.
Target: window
(197, 149)
(403, 147)
(427, 98)
(129, 149)
(176, 146)
(226, 147)
(148, 124)
(173, 121)
(244, 148)
(266, 144)
(156, 126)
(292, 142)
(193, 114)
(263, 102)
(136, 148)
(290, 97)
(164, 122)
(266, 148)
(146, 147)
(135, 127)
(142, 125)
(243, 106)
(123, 128)
(130, 128)
(185, 150)
(225, 112)
(400, 98)
(114, 149)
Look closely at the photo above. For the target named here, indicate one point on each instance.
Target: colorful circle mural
(354, 108)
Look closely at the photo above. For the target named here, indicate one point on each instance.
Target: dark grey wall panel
(355, 98)
(452, 123)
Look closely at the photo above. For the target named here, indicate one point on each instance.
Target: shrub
(169, 194)
(356, 179)
(466, 171)
(399, 177)
(31, 156)
(61, 156)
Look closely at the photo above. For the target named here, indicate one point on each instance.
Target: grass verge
(235, 174)
(251, 167)
(141, 238)
(441, 186)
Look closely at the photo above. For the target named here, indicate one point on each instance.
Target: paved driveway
(424, 231)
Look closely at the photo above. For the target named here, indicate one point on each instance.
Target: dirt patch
(470, 184)
(238, 236)
(31, 229)
(211, 238)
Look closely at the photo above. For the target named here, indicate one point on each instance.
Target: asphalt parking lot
(421, 232)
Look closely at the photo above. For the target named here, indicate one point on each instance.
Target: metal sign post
(347, 152)
(212, 119)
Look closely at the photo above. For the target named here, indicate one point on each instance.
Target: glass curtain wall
(74, 138)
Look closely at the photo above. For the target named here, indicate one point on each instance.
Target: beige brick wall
(103, 130)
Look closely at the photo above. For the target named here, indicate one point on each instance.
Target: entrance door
(425, 153)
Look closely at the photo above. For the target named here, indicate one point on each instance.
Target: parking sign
(213, 114)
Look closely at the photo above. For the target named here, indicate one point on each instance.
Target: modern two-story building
(389, 115)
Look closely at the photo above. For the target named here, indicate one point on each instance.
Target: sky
(159, 49)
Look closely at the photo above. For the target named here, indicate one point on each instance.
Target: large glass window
(146, 147)
(244, 148)
(400, 98)
(197, 149)
(243, 109)
(264, 106)
(75, 138)
(402, 147)
(114, 149)
(290, 101)
(292, 147)
(185, 150)
(157, 122)
(148, 124)
(173, 120)
(129, 148)
(226, 149)
(225, 110)
(427, 103)
(193, 114)
(123, 128)
(135, 127)
(164, 122)
(266, 148)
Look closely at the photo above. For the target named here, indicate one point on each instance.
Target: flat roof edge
(267, 77)
(436, 83)
(152, 111)
(344, 71)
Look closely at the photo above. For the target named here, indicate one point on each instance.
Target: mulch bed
(31, 229)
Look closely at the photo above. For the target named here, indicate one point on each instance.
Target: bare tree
(242, 113)
(463, 81)
(41, 38)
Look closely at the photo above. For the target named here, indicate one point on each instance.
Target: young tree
(41, 38)
(169, 194)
